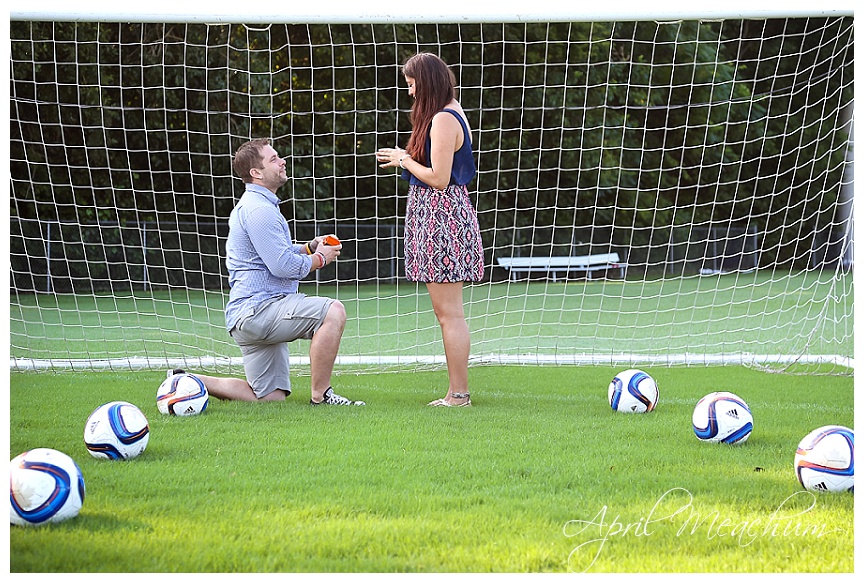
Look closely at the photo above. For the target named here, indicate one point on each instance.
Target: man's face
(272, 174)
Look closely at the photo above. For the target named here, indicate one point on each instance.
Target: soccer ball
(182, 395)
(633, 391)
(825, 460)
(116, 431)
(722, 417)
(45, 485)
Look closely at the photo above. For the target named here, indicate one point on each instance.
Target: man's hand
(329, 246)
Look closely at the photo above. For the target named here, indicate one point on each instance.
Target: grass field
(747, 313)
(539, 476)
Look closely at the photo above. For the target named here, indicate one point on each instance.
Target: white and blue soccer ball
(116, 431)
(722, 417)
(182, 395)
(633, 391)
(825, 460)
(45, 485)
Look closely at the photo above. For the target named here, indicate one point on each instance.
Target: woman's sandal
(445, 403)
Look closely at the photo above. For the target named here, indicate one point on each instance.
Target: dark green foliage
(632, 128)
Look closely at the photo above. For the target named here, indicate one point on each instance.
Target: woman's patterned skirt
(442, 236)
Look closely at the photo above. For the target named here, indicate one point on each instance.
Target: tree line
(632, 127)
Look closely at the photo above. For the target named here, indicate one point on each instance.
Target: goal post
(703, 157)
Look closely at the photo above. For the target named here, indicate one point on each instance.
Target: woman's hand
(390, 157)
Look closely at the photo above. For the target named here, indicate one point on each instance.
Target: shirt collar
(266, 193)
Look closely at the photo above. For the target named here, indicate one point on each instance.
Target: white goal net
(663, 192)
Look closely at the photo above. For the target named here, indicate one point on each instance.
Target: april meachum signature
(678, 502)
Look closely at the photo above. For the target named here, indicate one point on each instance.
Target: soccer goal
(690, 169)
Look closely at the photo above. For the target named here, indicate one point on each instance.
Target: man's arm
(271, 238)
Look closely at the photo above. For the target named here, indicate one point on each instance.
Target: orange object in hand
(331, 240)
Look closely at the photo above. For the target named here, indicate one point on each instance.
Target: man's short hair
(249, 156)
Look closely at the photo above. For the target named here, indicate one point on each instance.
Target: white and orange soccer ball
(182, 395)
(825, 460)
(116, 431)
(633, 391)
(45, 486)
(722, 417)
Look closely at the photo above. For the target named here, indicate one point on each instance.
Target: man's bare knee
(336, 314)
(277, 395)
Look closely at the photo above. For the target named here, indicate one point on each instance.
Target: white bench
(554, 265)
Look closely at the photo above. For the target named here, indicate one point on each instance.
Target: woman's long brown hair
(434, 88)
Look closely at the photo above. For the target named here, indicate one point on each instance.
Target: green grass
(747, 313)
(400, 487)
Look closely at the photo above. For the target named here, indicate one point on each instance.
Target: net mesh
(712, 158)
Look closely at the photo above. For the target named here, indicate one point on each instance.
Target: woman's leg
(447, 303)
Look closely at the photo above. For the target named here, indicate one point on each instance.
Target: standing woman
(443, 248)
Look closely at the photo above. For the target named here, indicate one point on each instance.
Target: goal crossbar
(441, 12)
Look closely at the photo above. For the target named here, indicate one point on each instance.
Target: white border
(441, 11)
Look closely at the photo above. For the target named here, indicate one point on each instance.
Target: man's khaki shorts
(263, 337)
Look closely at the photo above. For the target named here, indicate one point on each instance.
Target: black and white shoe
(331, 398)
(175, 371)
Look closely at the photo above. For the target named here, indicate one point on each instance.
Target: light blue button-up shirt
(263, 262)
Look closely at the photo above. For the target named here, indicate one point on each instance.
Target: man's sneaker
(171, 373)
(331, 398)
